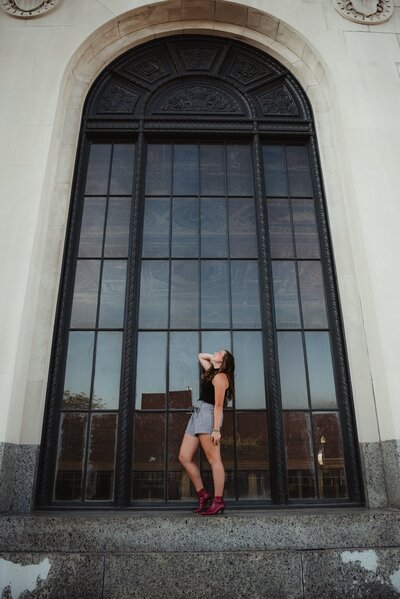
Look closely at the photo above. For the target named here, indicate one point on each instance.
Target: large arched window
(197, 223)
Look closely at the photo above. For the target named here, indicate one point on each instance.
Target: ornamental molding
(27, 9)
(369, 12)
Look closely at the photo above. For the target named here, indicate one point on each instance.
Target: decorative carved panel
(198, 58)
(370, 12)
(198, 99)
(247, 70)
(278, 102)
(118, 100)
(150, 67)
(27, 9)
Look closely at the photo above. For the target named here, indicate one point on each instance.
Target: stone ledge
(164, 532)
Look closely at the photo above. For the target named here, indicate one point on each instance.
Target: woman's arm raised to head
(204, 360)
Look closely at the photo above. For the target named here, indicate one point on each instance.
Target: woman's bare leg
(213, 455)
(188, 448)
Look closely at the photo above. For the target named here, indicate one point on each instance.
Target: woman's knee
(184, 458)
(214, 461)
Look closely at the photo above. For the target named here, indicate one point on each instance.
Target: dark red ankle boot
(215, 508)
(204, 497)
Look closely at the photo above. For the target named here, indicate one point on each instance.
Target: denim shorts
(202, 419)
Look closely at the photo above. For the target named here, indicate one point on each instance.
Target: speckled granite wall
(381, 470)
(391, 460)
(18, 465)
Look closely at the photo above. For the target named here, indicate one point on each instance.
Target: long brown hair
(228, 368)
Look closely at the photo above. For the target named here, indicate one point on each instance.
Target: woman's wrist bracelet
(216, 430)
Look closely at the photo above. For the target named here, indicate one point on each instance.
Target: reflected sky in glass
(159, 169)
(184, 294)
(185, 228)
(98, 169)
(186, 169)
(275, 171)
(320, 371)
(153, 307)
(245, 294)
(84, 305)
(212, 169)
(215, 303)
(151, 365)
(286, 299)
(292, 371)
(249, 370)
(121, 182)
(183, 363)
(112, 298)
(107, 371)
(280, 229)
(312, 295)
(156, 228)
(242, 228)
(212, 341)
(92, 228)
(78, 373)
(214, 229)
(117, 231)
(239, 170)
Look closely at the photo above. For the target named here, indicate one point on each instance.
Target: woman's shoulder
(220, 377)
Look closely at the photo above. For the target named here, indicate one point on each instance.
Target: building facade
(182, 175)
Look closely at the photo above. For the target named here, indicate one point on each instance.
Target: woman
(204, 428)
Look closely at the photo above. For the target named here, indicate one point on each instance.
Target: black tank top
(207, 392)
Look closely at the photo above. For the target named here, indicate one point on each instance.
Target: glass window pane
(249, 370)
(252, 455)
(70, 456)
(185, 228)
(117, 232)
(215, 304)
(186, 169)
(328, 445)
(320, 371)
(159, 169)
(292, 371)
(305, 229)
(212, 341)
(98, 169)
(184, 294)
(286, 299)
(78, 374)
(214, 238)
(156, 228)
(275, 171)
(298, 171)
(107, 371)
(239, 170)
(148, 457)
(183, 369)
(312, 295)
(242, 228)
(151, 370)
(101, 461)
(179, 486)
(212, 169)
(245, 294)
(84, 305)
(112, 298)
(280, 230)
(153, 307)
(122, 169)
(299, 455)
(92, 228)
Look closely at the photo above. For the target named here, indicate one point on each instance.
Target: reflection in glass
(286, 300)
(179, 486)
(148, 457)
(98, 169)
(280, 230)
(312, 295)
(242, 228)
(239, 170)
(153, 306)
(117, 232)
(320, 372)
(298, 171)
(151, 369)
(215, 305)
(275, 171)
(305, 229)
(156, 228)
(107, 371)
(92, 228)
(112, 298)
(253, 455)
(122, 169)
(70, 456)
(101, 460)
(184, 294)
(214, 229)
(183, 369)
(186, 169)
(249, 370)
(292, 371)
(78, 373)
(185, 228)
(212, 341)
(159, 169)
(328, 445)
(84, 305)
(299, 455)
(212, 170)
(245, 294)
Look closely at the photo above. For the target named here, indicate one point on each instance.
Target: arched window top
(200, 77)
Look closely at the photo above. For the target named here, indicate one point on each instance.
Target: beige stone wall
(351, 74)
